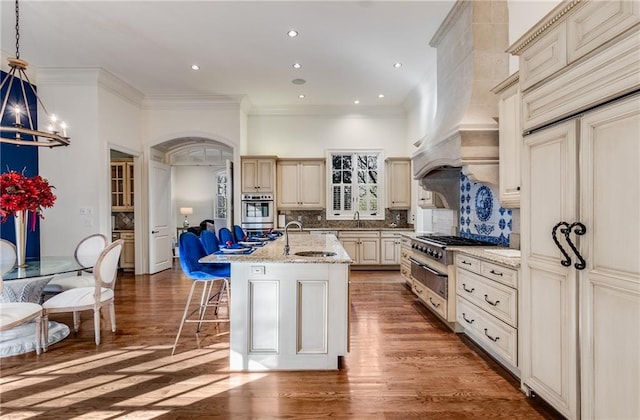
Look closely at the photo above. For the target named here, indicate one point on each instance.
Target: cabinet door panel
(249, 175)
(549, 325)
(370, 251)
(288, 184)
(610, 175)
(312, 184)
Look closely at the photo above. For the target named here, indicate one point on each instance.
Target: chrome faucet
(286, 235)
(356, 217)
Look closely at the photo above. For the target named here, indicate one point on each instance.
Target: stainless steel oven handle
(426, 267)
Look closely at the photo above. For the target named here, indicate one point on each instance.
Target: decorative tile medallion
(481, 216)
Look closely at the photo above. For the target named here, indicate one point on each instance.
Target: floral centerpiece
(20, 195)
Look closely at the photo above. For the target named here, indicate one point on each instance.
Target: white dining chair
(8, 256)
(13, 314)
(86, 254)
(94, 297)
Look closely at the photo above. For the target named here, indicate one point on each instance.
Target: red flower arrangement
(19, 193)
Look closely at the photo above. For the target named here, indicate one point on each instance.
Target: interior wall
(194, 186)
(311, 136)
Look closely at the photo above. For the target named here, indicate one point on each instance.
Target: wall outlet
(319, 218)
(299, 218)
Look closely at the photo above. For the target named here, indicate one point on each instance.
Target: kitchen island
(289, 312)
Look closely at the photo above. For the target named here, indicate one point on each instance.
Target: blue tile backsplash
(481, 216)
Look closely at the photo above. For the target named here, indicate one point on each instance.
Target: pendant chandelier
(16, 119)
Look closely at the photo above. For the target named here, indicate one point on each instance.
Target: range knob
(430, 251)
(438, 254)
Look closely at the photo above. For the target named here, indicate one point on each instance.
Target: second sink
(315, 254)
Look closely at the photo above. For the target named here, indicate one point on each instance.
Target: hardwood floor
(403, 364)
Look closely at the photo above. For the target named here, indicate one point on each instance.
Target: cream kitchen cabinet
(580, 294)
(487, 306)
(362, 247)
(122, 191)
(128, 255)
(390, 248)
(258, 174)
(398, 183)
(300, 184)
(510, 134)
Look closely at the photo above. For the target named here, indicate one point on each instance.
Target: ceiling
(346, 48)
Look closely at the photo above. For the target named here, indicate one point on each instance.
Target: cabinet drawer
(489, 332)
(497, 299)
(359, 234)
(468, 263)
(499, 273)
(432, 300)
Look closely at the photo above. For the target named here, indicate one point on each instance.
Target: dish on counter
(250, 243)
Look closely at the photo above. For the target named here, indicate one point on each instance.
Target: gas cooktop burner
(454, 240)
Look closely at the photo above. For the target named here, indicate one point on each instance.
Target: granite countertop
(481, 252)
(272, 252)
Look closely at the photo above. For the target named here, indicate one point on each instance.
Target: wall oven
(257, 212)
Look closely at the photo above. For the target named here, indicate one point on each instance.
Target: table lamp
(185, 211)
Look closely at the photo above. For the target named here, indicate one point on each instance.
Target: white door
(160, 256)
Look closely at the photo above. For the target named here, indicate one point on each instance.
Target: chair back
(239, 233)
(225, 235)
(191, 250)
(106, 268)
(8, 255)
(209, 241)
(89, 249)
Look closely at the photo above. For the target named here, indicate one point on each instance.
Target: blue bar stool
(191, 250)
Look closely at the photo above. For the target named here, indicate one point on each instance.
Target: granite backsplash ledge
(309, 219)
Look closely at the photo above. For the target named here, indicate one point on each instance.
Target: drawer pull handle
(464, 287)
(419, 291)
(468, 321)
(435, 305)
(489, 302)
(491, 338)
(465, 262)
(497, 273)
(155, 231)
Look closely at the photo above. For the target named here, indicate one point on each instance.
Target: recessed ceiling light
(381, 96)
(397, 65)
(301, 96)
(356, 102)
(292, 33)
(195, 67)
(298, 81)
(297, 65)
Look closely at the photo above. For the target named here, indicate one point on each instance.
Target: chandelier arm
(6, 97)
(24, 74)
(26, 103)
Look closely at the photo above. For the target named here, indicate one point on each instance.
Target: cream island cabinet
(580, 294)
(289, 312)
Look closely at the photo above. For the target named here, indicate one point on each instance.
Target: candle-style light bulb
(53, 120)
(16, 109)
(64, 128)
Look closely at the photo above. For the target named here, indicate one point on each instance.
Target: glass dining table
(26, 284)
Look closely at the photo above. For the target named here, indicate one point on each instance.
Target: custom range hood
(471, 44)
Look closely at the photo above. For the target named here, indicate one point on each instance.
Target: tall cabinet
(580, 201)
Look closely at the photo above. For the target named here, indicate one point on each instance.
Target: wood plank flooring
(403, 364)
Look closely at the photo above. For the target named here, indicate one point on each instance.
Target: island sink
(315, 253)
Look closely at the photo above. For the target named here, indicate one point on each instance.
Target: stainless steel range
(433, 272)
